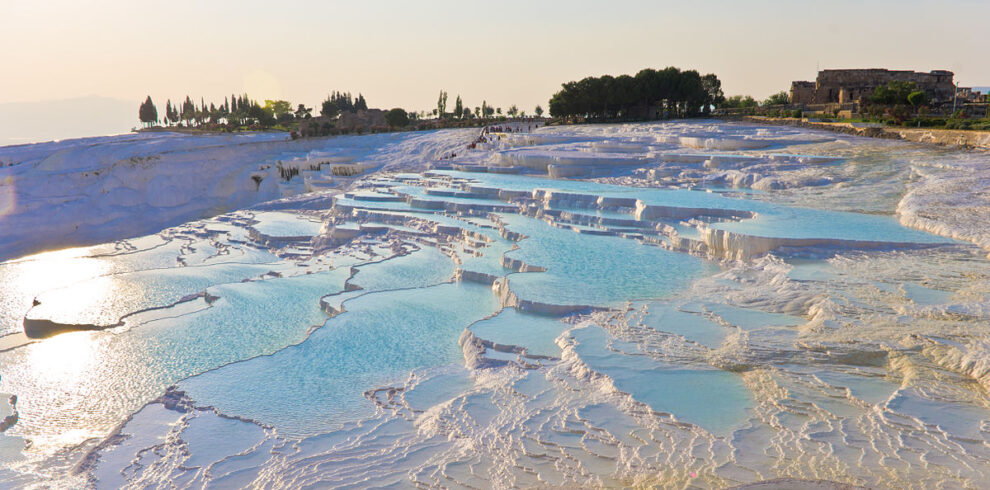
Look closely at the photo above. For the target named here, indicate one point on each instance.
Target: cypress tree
(148, 113)
(188, 110)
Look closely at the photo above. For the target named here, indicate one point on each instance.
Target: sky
(402, 53)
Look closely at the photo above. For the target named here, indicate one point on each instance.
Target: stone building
(855, 86)
(801, 92)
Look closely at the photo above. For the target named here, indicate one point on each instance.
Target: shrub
(955, 123)
(397, 118)
(925, 122)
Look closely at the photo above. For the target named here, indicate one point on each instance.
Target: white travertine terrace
(685, 304)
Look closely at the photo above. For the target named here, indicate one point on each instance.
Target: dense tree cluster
(897, 92)
(896, 101)
(650, 94)
(739, 102)
(338, 102)
(779, 98)
(397, 118)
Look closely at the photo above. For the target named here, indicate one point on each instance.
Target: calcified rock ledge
(651, 223)
(39, 328)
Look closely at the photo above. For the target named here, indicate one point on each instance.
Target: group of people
(484, 138)
(489, 134)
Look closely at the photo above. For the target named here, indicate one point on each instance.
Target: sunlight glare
(65, 359)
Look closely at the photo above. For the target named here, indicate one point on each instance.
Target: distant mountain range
(32, 122)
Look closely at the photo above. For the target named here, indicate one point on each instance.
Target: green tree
(513, 110)
(148, 113)
(329, 107)
(458, 108)
(917, 98)
(538, 110)
(188, 111)
(360, 104)
(713, 91)
(277, 107)
(303, 112)
(442, 104)
(779, 98)
(397, 118)
(259, 114)
(895, 92)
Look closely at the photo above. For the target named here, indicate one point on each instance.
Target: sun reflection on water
(22, 281)
(56, 269)
(54, 377)
(64, 359)
(56, 381)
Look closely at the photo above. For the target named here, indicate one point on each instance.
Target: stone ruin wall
(849, 86)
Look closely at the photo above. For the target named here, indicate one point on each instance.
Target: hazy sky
(401, 53)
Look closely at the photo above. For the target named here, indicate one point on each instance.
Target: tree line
(650, 94)
(241, 110)
(484, 111)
